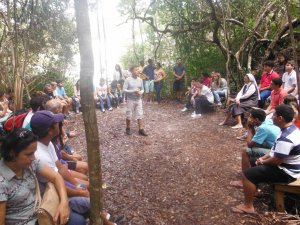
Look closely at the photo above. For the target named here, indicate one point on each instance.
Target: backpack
(17, 119)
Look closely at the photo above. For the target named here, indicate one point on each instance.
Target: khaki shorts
(134, 107)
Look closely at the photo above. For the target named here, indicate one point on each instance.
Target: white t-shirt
(290, 79)
(207, 92)
(46, 155)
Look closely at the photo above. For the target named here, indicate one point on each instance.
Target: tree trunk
(88, 108)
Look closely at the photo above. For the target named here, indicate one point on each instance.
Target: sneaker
(110, 109)
(196, 115)
(103, 110)
(219, 104)
(142, 132)
(184, 109)
(128, 131)
(193, 113)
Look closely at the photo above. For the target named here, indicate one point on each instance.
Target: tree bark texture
(88, 108)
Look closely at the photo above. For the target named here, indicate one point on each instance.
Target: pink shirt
(266, 78)
(206, 81)
(277, 97)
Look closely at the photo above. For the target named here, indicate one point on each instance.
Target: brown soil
(179, 174)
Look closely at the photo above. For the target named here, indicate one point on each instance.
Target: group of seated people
(251, 95)
(109, 96)
(39, 148)
(204, 93)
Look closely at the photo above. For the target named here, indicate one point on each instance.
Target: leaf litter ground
(179, 174)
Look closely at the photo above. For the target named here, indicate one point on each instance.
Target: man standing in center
(179, 74)
(134, 89)
(148, 72)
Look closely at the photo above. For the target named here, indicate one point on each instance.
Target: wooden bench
(280, 189)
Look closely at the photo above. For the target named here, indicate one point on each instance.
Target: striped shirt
(287, 146)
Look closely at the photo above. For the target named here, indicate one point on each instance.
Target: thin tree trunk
(88, 108)
(293, 43)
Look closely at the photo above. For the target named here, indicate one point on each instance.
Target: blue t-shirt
(266, 133)
(149, 71)
(179, 69)
(60, 91)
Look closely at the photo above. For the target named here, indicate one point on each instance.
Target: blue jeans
(263, 96)
(76, 102)
(80, 208)
(101, 101)
(158, 86)
(218, 94)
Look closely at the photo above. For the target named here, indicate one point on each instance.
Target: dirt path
(178, 175)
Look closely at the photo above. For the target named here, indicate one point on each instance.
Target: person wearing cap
(45, 125)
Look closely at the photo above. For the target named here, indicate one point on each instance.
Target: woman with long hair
(218, 87)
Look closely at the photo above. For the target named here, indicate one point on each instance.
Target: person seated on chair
(18, 167)
(101, 95)
(277, 95)
(265, 81)
(218, 87)
(281, 165)
(203, 100)
(245, 99)
(261, 136)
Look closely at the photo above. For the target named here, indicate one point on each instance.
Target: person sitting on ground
(218, 87)
(45, 125)
(203, 100)
(261, 136)
(245, 99)
(114, 93)
(76, 97)
(289, 79)
(281, 165)
(190, 92)
(206, 80)
(265, 81)
(5, 112)
(159, 76)
(277, 95)
(18, 167)
(101, 95)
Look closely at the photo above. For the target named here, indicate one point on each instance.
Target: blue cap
(44, 119)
